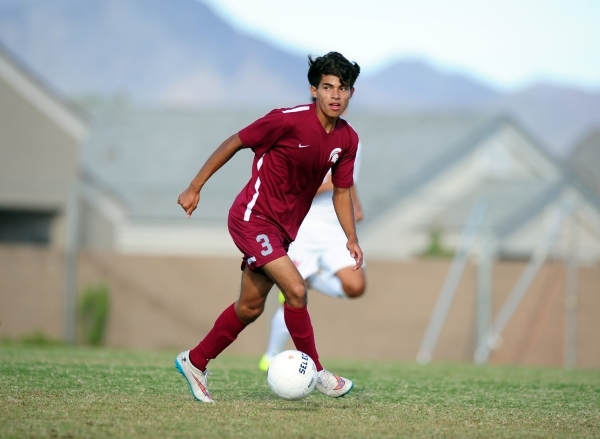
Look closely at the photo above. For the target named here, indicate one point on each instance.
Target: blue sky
(507, 44)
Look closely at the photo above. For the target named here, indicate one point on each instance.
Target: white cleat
(197, 379)
(333, 385)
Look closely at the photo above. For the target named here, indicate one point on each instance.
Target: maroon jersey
(292, 155)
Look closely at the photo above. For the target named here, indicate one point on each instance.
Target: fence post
(484, 287)
(71, 255)
(442, 306)
(571, 296)
(525, 280)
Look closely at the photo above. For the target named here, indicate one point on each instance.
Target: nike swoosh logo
(302, 146)
(340, 381)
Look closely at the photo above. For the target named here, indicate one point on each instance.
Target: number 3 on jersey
(264, 240)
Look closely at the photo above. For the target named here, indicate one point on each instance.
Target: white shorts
(320, 245)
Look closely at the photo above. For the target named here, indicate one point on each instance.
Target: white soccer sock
(329, 285)
(279, 334)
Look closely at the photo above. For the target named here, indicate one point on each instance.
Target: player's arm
(190, 197)
(342, 202)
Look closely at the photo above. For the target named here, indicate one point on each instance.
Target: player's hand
(189, 200)
(356, 253)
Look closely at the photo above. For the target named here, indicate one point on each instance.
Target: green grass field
(74, 392)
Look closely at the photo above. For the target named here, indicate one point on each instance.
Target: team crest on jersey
(335, 155)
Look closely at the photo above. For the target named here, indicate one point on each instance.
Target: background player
(294, 149)
(320, 255)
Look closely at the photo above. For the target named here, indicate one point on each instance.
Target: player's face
(331, 96)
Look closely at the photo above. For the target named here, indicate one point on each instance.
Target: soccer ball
(292, 375)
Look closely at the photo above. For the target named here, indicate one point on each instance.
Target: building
(40, 135)
(135, 165)
(421, 176)
(432, 170)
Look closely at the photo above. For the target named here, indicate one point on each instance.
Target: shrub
(93, 314)
(436, 247)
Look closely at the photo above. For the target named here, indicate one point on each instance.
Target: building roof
(403, 151)
(41, 95)
(508, 205)
(146, 158)
(584, 164)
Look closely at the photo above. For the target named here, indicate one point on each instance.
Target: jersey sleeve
(342, 174)
(263, 133)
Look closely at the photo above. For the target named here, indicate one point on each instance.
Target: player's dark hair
(334, 64)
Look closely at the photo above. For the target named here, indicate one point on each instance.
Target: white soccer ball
(292, 375)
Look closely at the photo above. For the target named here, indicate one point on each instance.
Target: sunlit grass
(62, 391)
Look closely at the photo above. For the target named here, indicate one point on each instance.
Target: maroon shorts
(259, 240)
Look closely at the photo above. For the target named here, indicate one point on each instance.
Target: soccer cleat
(197, 379)
(333, 385)
(264, 362)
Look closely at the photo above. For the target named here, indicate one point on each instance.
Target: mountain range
(180, 53)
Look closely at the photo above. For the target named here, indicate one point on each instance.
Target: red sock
(226, 329)
(298, 323)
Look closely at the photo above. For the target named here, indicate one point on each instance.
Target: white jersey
(322, 213)
(321, 242)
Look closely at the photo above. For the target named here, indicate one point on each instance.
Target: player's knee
(249, 313)
(354, 290)
(295, 295)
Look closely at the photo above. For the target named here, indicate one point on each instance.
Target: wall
(171, 302)
(39, 158)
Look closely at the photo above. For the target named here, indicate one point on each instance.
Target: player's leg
(284, 273)
(286, 276)
(250, 305)
(259, 245)
(353, 282)
(253, 295)
(336, 277)
(305, 258)
(328, 284)
(192, 364)
(278, 335)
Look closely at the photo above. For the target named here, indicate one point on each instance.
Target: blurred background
(480, 178)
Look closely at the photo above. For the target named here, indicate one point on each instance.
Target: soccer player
(320, 255)
(294, 149)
